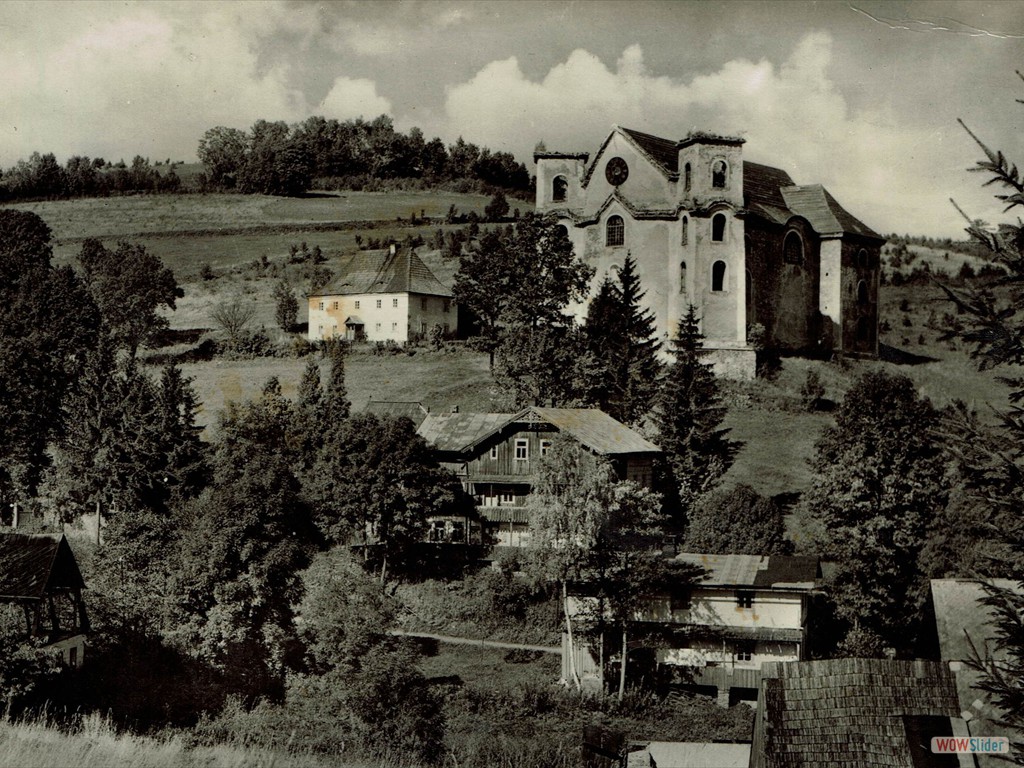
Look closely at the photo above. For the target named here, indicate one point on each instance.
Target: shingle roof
(961, 619)
(764, 571)
(384, 272)
(456, 431)
(414, 411)
(32, 565)
(851, 712)
(825, 215)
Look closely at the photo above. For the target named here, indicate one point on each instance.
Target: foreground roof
(962, 621)
(33, 565)
(763, 571)
(382, 271)
(824, 213)
(853, 712)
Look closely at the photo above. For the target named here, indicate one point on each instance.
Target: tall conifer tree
(689, 417)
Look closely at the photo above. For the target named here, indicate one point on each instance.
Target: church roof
(663, 151)
(762, 185)
(382, 271)
(824, 213)
(33, 565)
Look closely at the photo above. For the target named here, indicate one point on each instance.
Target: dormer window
(615, 231)
(559, 189)
(718, 173)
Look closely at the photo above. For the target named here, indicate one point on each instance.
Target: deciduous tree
(130, 286)
(879, 482)
(736, 521)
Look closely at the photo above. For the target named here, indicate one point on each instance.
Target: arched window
(718, 228)
(682, 277)
(563, 229)
(559, 189)
(793, 249)
(862, 293)
(615, 231)
(718, 276)
(685, 237)
(718, 172)
(686, 177)
(862, 259)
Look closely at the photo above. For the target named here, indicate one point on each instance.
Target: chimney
(455, 409)
(392, 249)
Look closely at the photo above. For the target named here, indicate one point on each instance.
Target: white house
(382, 295)
(714, 635)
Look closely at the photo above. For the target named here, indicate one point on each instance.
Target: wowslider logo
(975, 745)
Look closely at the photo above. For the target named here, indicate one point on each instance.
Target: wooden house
(382, 295)
(40, 580)
(715, 635)
(497, 455)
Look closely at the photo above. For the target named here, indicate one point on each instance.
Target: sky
(862, 97)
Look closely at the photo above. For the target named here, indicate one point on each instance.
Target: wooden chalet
(39, 575)
(496, 456)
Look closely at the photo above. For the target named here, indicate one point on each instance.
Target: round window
(616, 171)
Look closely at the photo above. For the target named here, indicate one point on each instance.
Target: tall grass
(93, 742)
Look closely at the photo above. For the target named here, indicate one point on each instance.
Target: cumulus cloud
(791, 114)
(103, 79)
(354, 97)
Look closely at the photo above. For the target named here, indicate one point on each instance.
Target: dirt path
(485, 643)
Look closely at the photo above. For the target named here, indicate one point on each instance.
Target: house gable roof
(798, 572)
(381, 271)
(34, 565)
(592, 427)
(852, 712)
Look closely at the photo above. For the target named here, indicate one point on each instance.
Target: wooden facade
(497, 457)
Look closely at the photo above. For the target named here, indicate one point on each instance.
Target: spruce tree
(689, 416)
(994, 467)
(620, 335)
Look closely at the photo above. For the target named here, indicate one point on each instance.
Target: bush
(812, 391)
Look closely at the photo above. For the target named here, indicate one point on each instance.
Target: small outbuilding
(40, 579)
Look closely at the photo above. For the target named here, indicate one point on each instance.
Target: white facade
(383, 316)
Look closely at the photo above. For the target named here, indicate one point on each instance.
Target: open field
(186, 231)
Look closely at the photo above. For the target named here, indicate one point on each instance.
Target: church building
(738, 240)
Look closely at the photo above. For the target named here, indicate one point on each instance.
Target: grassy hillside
(97, 745)
(189, 230)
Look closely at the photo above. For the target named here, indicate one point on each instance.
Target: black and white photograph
(511, 383)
